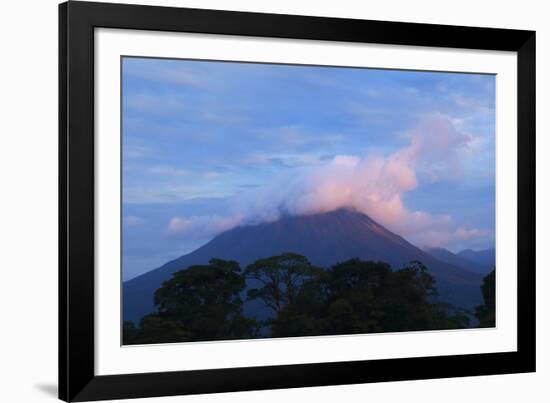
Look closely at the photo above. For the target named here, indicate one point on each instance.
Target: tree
(129, 332)
(279, 279)
(204, 302)
(411, 304)
(486, 313)
(358, 296)
(305, 315)
(154, 328)
(356, 288)
(201, 302)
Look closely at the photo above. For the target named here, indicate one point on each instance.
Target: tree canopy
(486, 313)
(358, 296)
(205, 302)
(281, 279)
(198, 303)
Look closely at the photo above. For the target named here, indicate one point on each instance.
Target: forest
(205, 302)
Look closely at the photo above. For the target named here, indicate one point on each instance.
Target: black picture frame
(77, 379)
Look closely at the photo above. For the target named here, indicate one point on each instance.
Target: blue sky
(211, 145)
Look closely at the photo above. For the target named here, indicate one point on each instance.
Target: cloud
(132, 220)
(154, 104)
(171, 104)
(298, 135)
(436, 148)
(464, 233)
(373, 184)
(283, 159)
(161, 192)
(477, 105)
(169, 75)
(136, 151)
(163, 170)
(202, 226)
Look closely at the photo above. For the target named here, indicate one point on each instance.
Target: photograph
(266, 200)
(275, 201)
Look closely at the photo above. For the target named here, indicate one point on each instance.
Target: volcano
(324, 239)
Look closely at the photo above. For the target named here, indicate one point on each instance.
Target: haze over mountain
(324, 239)
(477, 265)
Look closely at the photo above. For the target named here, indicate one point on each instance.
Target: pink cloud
(373, 184)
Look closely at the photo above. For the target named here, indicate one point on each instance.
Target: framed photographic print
(257, 201)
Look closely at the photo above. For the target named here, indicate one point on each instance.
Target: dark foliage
(282, 278)
(367, 297)
(198, 303)
(486, 313)
(355, 296)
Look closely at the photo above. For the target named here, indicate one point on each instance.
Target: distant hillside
(485, 258)
(324, 239)
(447, 256)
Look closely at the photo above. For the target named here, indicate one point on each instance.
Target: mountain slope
(447, 256)
(485, 258)
(324, 238)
